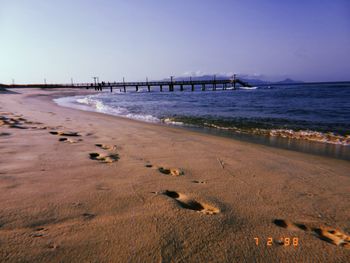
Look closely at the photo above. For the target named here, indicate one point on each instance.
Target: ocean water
(307, 118)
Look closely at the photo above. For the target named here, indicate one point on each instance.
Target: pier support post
(171, 85)
(192, 88)
(181, 87)
(161, 88)
(124, 84)
(149, 88)
(214, 86)
(203, 87)
(137, 88)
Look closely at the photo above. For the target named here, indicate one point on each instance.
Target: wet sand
(81, 186)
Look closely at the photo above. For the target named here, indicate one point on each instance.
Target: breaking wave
(93, 103)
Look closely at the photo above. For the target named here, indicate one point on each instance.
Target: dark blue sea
(308, 118)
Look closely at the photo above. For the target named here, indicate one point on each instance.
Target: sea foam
(306, 135)
(94, 103)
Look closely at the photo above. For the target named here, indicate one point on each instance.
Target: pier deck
(150, 85)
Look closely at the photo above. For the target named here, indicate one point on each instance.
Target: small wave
(117, 111)
(146, 118)
(99, 106)
(306, 135)
(312, 136)
(171, 121)
(240, 126)
(83, 100)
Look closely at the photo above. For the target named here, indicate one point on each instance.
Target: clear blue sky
(59, 39)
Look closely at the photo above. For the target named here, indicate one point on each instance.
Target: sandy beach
(79, 186)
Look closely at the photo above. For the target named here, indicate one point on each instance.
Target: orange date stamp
(285, 241)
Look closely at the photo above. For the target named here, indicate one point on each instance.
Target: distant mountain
(288, 81)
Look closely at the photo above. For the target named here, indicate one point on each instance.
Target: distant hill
(288, 81)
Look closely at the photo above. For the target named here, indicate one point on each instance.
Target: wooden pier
(166, 85)
(171, 85)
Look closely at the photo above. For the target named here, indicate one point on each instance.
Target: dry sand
(86, 187)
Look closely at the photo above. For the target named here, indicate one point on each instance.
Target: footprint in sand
(88, 216)
(167, 171)
(39, 232)
(106, 147)
(11, 122)
(171, 171)
(105, 158)
(18, 122)
(198, 182)
(102, 187)
(16, 126)
(65, 133)
(191, 204)
(19, 118)
(330, 235)
(35, 123)
(63, 139)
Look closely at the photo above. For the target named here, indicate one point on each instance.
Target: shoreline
(84, 186)
(310, 142)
